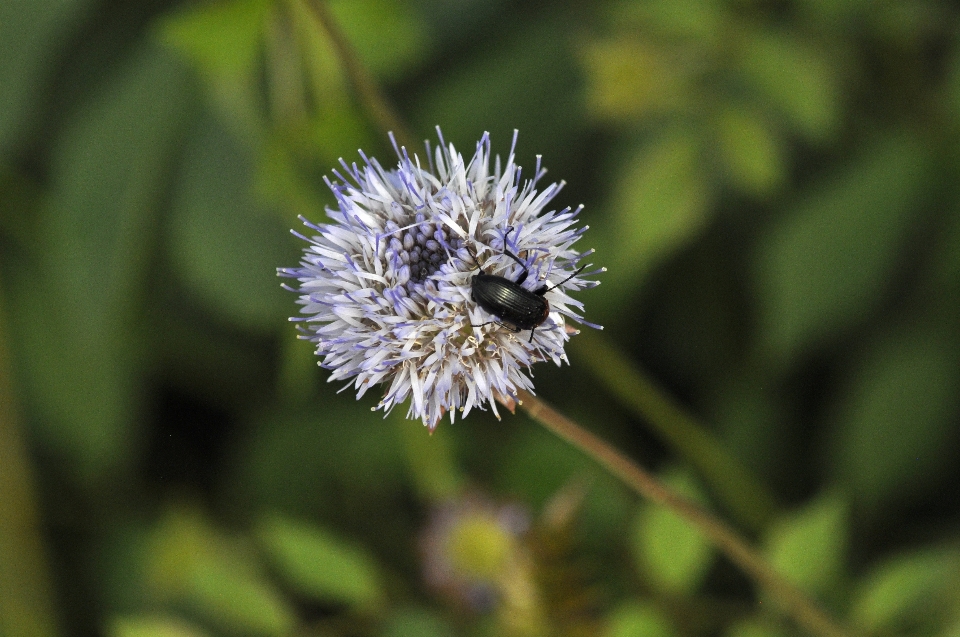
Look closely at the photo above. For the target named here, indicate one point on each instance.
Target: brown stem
(793, 601)
(735, 487)
(364, 85)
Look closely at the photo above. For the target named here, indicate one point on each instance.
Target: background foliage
(772, 185)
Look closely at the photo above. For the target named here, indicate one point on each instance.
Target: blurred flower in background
(519, 570)
(475, 553)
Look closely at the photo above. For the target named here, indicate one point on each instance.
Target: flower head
(475, 551)
(386, 286)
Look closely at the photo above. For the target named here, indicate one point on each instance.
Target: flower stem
(800, 607)
(366, 88)
(735, 486)
(803, 610)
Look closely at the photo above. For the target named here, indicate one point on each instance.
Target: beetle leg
(523, 275)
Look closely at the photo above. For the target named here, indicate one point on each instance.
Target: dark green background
(773, 187)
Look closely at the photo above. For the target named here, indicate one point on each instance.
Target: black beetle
(517, 307)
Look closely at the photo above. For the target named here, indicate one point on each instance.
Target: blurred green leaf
(77, 319)
(414, 622)
(123, 563)
(224, 244)
(668, 550)
(285, 169)
(827, 262)
(296, 378)
(630, 78)
(190, 562)
(390, 37)
(809, 546)
(524, 82)
(795, 78)
(697, 22)
(223, 41)
(660, 201)
(748, 415)
(285, 67)
(895, 421)
(755, 627)
(906, 23)
(27, 604)
(152, 626)
(945, 272)
(239, 603)
(20, 200)
(908, 591)
(222, 38)
(952, 81)
(348, 460)
(751, 151)
(638, 619)
(952, 628)
(431, 460)
(320, 565)
(324, 70)
(31, 33)
(836, 13)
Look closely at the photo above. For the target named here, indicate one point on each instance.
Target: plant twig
(794, 602)
(745, 497)
(367, 89)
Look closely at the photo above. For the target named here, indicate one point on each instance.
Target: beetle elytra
(517, 307)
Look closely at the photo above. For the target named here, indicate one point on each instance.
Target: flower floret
(386, 287)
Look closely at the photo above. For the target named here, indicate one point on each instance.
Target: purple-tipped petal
(386, 296)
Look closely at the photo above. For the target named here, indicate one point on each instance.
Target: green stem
(26, 592)
(736, 488)
(366, 88)
(803, 610)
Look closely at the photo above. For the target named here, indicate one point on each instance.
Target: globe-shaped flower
(386, 286)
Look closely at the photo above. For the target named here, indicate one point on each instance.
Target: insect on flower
(510, 301)
(390, 289)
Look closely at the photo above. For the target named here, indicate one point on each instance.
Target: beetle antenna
(556, 285)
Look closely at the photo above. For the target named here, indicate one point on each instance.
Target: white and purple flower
(386, 286)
